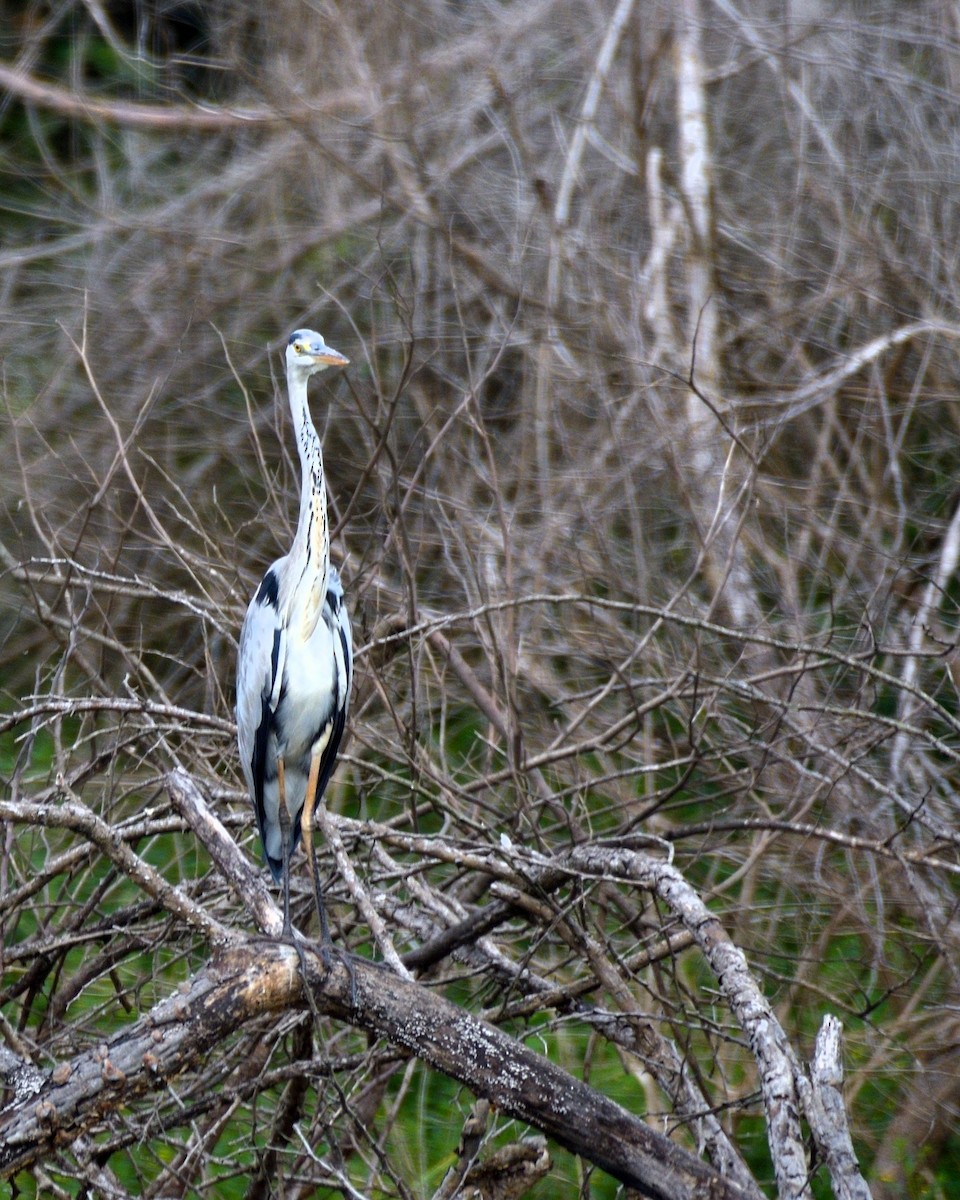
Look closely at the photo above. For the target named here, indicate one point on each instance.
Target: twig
(70, 813)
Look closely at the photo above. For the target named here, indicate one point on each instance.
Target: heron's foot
(331, 954)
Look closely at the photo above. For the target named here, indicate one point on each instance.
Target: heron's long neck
(310, 555)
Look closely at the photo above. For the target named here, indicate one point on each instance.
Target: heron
(296, 657)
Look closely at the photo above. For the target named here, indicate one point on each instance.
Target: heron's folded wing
(259, 675)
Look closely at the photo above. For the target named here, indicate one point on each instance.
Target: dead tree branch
(256, 978)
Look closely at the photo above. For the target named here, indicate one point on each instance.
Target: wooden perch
(248, 980)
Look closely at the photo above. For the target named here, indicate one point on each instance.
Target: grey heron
(296, 657)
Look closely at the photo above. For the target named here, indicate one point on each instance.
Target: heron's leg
(283, 817)
(306, 827)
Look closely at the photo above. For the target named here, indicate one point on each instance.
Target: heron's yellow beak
(331, 358)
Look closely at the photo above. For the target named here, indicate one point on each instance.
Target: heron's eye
(298, 347)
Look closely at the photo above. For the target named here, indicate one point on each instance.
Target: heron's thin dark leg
(306, 826)
(283, 816)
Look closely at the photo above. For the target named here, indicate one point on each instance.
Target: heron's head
(308, 353)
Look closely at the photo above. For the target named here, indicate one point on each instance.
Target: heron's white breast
(309, 691)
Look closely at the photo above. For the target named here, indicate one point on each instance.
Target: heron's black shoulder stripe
(345, 645)
(275, 656)
(269, 590)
